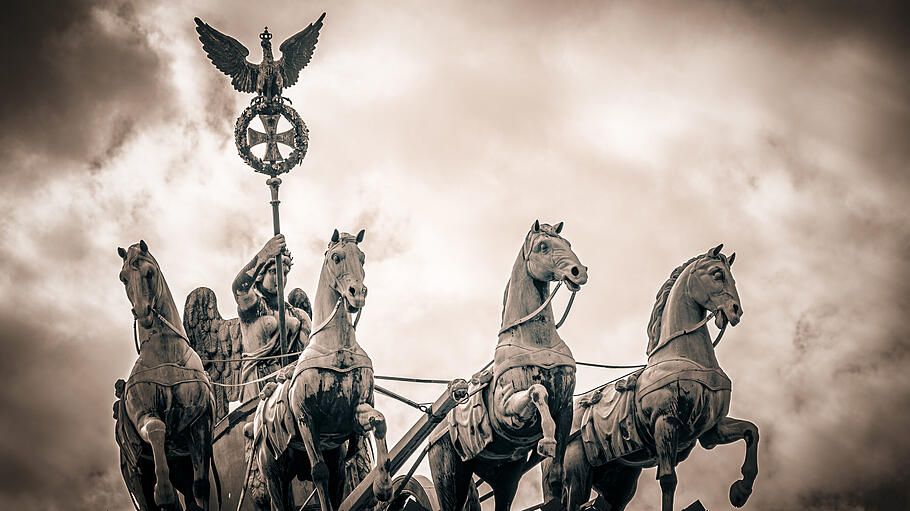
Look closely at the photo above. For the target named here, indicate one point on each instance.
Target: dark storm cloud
(79, 77)
(56, 445)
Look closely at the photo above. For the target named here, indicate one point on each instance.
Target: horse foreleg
(523, 403)
(370, 419)
(729, 430)
(666, 439)
(554, 476)
(578, 476)
(318, 469)
(201, 457)
(152, 430)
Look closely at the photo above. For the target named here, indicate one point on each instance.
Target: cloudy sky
(654, 130)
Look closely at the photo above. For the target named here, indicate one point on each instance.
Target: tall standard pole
(274, 183)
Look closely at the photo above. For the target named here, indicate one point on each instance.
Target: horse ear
(121, 252)
(335, 236)
(716, 250)
(558, 227)
(360, 235)
(536, 226)
(731, 258)
(143, 247)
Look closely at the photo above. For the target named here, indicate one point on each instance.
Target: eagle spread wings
(270, 76)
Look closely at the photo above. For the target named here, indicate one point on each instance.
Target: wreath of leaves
(301, 137)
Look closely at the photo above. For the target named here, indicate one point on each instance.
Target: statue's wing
(217, 341)
(297, 51)
(229, 56)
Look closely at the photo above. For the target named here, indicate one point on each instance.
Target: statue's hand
(274, 246)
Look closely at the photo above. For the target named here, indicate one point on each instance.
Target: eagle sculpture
(269, 77)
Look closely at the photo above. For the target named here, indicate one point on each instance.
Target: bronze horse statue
(682, 395)
(528, 398)
(308, 425)
(166, 411)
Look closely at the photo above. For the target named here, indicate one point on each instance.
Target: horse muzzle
(575, 277)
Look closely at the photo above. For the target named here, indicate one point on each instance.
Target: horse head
(140, 275)
(550, 257)
(344, 263)
(712, 286)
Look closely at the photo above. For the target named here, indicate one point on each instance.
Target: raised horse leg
(666, 439)
(523, 403)
(370, 419)
(152, 430)
(729, 430)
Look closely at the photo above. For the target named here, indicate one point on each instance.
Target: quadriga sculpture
(682, 395)
(311, 423)
(528, 402)
(165, 415)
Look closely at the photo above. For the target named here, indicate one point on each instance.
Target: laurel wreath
(301, 138)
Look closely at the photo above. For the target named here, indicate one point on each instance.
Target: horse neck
(682, 312)
(524, 295)
(338, 332)
(161, 342)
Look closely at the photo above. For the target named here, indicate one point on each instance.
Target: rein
(685, 331)
(163, 320)
(540, 309)
(332, 315)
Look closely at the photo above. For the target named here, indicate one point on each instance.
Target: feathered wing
(297, 51)
(229, 56)
(215, 340)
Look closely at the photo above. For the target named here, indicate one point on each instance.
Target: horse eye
(718, 275)
(336, 258)
(542, 247)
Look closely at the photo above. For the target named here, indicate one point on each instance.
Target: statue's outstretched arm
(243, 283)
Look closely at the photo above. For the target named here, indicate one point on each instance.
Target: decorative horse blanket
(276, 420)
(341, 360)
(609, 425)
(164, 375)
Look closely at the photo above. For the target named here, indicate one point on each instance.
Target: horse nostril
(575, 271)
(352, 291)
(736, 308)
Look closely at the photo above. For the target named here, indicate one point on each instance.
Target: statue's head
(712, 286)
(344, 265)
(550, 257)
(267, 279)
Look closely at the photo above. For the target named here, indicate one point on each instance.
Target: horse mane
(662, 295)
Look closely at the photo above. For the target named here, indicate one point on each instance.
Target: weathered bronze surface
(269, 77)
(166, 411)
(682, 396)
(311, 423)
(234, 348)
(528, 401)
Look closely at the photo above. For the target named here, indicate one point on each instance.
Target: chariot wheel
(419, 494)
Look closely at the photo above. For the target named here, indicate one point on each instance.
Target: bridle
(338, 287)
(154, 310)
(703, 322)
(526, 255)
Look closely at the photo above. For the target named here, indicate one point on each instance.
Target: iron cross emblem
(271, 137)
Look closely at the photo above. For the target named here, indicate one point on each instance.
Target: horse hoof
(164, 494)
(320, 471)
(546, 447)
(382, 489)
(739, 493)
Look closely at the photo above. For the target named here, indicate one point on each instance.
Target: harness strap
(685, 331)
(326, 322)
(535, 313)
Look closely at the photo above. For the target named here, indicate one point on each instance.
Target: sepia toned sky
(655, 130)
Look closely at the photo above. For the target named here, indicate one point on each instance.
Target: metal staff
(274, 183)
